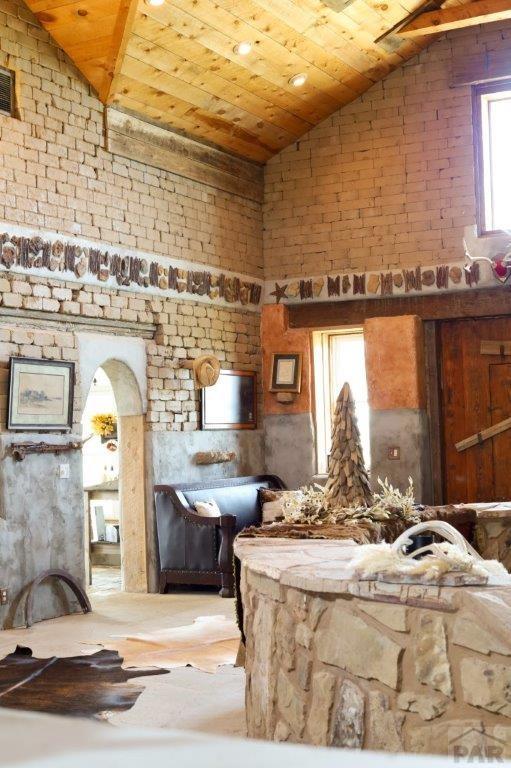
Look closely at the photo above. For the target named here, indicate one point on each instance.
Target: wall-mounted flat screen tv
(231, 403)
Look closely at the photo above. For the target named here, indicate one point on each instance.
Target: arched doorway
(100, 470)
(125, 370)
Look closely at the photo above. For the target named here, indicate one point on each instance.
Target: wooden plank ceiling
(175, 64)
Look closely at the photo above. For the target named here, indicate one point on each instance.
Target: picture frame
(41, 394)
(286, 372)
(231, 403)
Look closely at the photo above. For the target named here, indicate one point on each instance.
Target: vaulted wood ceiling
(175, 64)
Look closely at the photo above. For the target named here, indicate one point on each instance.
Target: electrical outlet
(394, 453)
(64, 471)
(4, 595)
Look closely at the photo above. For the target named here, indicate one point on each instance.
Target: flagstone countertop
(329, 567)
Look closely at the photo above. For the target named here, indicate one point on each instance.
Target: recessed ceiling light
(298, 80)
(243, 48)
(155, 2)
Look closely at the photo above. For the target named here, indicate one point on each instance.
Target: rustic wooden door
(476, 393)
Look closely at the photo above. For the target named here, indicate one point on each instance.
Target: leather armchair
(199, 550)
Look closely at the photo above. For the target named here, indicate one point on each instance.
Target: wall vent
(6, 92)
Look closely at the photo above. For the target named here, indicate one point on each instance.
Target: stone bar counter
(332, 660)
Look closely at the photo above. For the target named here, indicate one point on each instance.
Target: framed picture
(231, 403)
(40, 395)
(286, 372)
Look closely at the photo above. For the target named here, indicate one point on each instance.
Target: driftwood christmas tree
(348, 483)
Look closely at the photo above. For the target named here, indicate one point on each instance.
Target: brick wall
(386, 181)
(183, 330)
(55, 174)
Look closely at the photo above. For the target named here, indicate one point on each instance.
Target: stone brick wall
(55, 174)
(183, 329)
(379, 666)
(388, 180)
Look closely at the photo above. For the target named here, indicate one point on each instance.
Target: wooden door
(476, 393)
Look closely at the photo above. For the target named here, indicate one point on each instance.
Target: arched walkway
(124, 362)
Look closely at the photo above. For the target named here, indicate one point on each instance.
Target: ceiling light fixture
(243, 48)
(155, 2)
(298, 80)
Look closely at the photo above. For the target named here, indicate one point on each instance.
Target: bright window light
(339, 357)
(493, 157)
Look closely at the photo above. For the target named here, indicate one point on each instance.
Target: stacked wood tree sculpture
(348, 482)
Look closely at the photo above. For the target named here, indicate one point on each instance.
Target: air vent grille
(6, 91)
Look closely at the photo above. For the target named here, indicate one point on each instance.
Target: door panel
(500, 397)
(476, 393)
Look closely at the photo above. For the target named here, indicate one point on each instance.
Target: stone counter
(335, 661)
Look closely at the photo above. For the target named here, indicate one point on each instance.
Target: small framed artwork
(286, 372)
(40, 395)
(231, 403)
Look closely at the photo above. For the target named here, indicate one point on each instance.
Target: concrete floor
(183, 698)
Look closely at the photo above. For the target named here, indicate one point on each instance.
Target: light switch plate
(4, 595)
(394, 453)
(64, 471)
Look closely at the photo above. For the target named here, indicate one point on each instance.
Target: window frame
(323, 394)
(479, 92)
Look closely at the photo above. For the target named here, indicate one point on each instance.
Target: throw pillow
(207, 508)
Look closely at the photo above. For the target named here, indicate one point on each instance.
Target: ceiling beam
(123, 29)
(457, 17)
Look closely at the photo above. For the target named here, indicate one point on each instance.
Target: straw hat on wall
(206, 370)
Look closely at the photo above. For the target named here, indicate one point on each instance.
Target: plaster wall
(290, 447)
(41, 526)
(170, 459)
(406, 429)
(394, 348)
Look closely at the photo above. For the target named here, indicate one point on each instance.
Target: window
(492, 129)
(339, 356)
(7, 104)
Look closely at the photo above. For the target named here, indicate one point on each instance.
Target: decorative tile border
(48, 254)
(386, 284)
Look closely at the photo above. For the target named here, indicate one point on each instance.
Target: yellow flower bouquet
(104, 425)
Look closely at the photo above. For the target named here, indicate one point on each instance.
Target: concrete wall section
(170, 459)
(290, 447)
(41, 526)
(406, 429)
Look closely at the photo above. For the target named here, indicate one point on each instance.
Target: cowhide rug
(211, 641)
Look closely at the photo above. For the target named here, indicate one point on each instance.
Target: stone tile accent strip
(48, 254)
(351, 644)
(291, 291)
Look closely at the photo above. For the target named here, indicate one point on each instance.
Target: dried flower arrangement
(313, 508)
(104, 424)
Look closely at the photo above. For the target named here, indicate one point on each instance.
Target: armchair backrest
(234, 496)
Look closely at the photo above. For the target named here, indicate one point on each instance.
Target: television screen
(231, 402)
